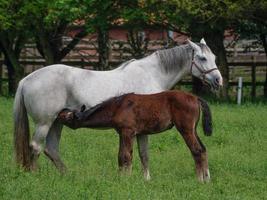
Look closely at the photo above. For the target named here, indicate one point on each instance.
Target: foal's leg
(52, 146)
(125, 151)
(205, 165)
(199, 154)
(41, 132)
(142, 142)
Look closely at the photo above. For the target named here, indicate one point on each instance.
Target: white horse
(45, 92)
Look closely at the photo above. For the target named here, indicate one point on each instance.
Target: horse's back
(162, 105)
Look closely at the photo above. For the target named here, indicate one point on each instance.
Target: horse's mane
(98, 107)
(124, 64)
(173, 58)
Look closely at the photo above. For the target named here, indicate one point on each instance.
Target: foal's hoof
(204, 177)
(63, 170)
(125, 171)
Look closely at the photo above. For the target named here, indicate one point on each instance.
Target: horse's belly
(160, 127)
(154, 124)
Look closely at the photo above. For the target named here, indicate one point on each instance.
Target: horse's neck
(169, 72)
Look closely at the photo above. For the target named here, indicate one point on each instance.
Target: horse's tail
(21, 130)
(206, 117)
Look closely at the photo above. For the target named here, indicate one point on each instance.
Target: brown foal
(136, 115)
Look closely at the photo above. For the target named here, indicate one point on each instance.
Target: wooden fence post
(253, 79)
(239, 90)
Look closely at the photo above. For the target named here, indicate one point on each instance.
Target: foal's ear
(83, 108)
(194, 46)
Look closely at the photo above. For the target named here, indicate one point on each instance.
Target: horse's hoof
(147, 176)
(63, 170)
(34, 167)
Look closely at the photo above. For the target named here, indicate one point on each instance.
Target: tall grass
(237, 159)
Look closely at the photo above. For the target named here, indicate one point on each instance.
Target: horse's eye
(202, 58)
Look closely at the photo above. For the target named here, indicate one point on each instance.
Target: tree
(104, 14)
(53, 17)
(138, 43)
(13, 34)
(45, 21)
(49, 22)
(136, 19)
(253, 22)
(203, 18)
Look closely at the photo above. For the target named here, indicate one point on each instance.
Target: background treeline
(46, 22)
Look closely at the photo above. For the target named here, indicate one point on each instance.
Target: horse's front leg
(126, 151)
(142, 142)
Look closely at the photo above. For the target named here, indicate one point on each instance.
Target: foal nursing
(134, 115)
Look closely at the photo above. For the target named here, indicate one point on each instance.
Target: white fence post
(239, 90)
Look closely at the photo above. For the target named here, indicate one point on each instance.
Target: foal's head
(70, 117)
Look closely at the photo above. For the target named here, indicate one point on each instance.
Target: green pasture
(237, 157)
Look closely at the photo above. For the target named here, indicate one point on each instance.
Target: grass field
(237, 158)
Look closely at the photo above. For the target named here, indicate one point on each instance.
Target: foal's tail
(21, 130)
(206, 117)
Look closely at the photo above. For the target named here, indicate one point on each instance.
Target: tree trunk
(11, 77)
(103, 49)
(44, 47)
(263, 38)
(199, 88)
(50, 45)
(15, 71)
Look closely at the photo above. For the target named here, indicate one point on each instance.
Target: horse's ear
(83, 108)
(202, 41)
(194, 46)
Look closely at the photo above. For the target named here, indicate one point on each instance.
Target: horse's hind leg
(199, 154)
(52, 146)
(142, 142)
(125, 151)
(41, 132)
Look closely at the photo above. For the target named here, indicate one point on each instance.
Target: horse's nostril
(217, 81)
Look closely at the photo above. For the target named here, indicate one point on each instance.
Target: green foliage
(191, 16)
(51, 13)
(253, 19)
(11, 16)
(237, 159)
